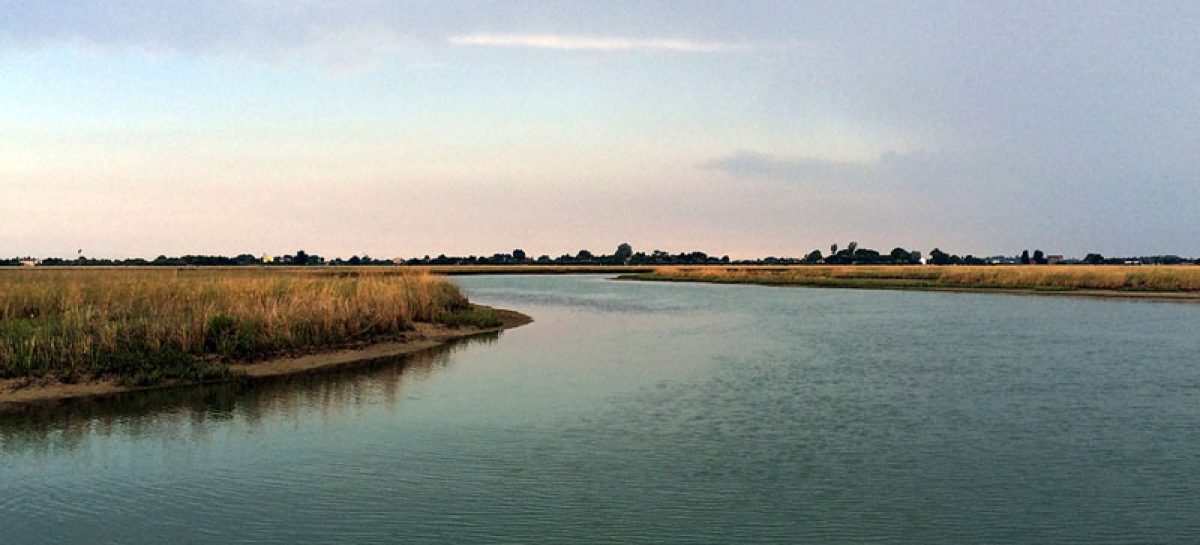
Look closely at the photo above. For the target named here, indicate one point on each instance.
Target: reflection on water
(66, 424)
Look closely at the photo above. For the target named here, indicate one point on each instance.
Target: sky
(748, 128)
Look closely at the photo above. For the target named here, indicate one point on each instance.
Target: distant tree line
(299, 258)
(1170, 259)
(624, 254)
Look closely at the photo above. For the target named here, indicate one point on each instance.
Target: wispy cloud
(566, 42)
(342, 36)
(916, 169)
(752, 165)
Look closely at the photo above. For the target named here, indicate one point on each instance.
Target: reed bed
(144, 326)
(1158, 279)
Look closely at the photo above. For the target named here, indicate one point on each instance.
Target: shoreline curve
(17, 393)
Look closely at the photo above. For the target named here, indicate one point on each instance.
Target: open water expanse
(662, 413)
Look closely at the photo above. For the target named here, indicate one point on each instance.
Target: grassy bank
(145, 326)
(1180, 281)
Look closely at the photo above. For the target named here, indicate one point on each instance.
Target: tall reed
(155, 324)
(1183, 278)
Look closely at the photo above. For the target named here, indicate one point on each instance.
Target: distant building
(1054, 259)
(29, 262)
(268, 258)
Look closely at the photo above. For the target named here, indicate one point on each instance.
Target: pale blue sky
(743, 128)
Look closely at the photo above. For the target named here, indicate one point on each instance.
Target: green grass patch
(470, 317)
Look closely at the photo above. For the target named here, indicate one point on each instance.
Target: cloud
(762, 166)
(341, 36)
(564, 42)
(926, 172)
(346, 35)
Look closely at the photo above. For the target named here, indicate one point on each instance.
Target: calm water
(634, 412)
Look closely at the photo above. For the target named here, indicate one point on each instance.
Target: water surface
(638, 412)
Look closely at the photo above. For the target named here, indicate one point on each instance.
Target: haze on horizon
(139, 127)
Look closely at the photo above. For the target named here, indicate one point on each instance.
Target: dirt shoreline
(1182, 297)
(16, 393)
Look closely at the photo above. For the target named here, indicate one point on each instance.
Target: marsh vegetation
(1181, 280)
(145, 326)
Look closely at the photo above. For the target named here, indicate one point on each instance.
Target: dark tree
(813, 256)
(624, 251)
(1039, 258)
(900, 255)
(519, 254)
(938, 257)
(246, 259)
(1094, 259)
(1025, 257)
(584, 255)
(301, 258)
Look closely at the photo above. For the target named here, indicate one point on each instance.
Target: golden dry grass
(1182, 278)
(82, 323)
